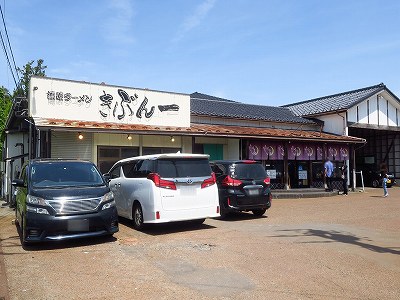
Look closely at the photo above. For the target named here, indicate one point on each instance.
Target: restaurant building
(105, 123)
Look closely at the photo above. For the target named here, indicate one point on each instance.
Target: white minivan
(164, 188)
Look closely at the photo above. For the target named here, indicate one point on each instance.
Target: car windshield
(183, 167)
(248, 171)
(65, 174)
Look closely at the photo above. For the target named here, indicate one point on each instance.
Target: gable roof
(206, 105)
(336, 102)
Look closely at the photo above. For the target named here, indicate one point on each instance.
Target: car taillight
(229, 181)
(162, 183)
(249, 161)
(267, 181)
(209, 181)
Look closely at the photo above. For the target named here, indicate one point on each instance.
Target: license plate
(78, 225)
(187, 190)
(253, 192)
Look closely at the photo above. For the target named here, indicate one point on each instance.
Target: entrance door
(298, 174)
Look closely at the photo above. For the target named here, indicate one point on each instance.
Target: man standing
(328, 174)
(344, 178)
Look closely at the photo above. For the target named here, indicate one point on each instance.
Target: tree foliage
(26, 73)
(5, 107)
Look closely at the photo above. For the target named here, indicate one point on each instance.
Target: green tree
(5, 107)
(26, 73)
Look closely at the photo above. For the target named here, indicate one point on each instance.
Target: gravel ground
(327, 248)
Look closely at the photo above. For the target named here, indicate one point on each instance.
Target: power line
(6, 53)
(9, 44)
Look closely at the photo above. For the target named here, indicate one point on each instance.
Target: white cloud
(118, 24)
(195, 19)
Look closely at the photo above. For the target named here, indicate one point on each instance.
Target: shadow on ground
(331, 236)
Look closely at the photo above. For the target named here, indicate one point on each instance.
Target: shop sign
(80, 101)
(302, 175)
(271, 174)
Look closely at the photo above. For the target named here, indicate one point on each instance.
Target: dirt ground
(323, 248)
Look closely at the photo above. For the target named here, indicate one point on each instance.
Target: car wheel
(375, 183)
(259, 212)
(223, 211)
(137, 216)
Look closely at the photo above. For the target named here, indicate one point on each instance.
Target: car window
(145, 168)
(218, 169)
(187, 167)
(129, 169)
(116, 173)
(247, 171)
(63, 174)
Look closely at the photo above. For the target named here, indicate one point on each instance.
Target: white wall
(382, 110)
(10, 151)
(334, 123)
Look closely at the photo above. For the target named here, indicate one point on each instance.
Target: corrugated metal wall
(67, 145)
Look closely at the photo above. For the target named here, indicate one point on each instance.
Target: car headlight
(108, 205)
(107, 197)
(37, 210)
(36, 200)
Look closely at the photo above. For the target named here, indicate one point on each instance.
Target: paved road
(327, 248)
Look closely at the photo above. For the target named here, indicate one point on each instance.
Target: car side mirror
(18, 183)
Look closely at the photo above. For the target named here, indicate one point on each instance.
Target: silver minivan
(164, 188)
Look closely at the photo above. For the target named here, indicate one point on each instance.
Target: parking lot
(322, 248)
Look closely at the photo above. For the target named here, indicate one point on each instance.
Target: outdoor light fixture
(80, 136)
(172, 139)
(129, 137)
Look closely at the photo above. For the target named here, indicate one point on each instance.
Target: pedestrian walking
(384, 183)
(343, 168)
(328, 166)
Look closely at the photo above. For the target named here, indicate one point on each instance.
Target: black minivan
(243, 185)
(63, 199)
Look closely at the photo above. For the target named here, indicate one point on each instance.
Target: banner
(298, 151)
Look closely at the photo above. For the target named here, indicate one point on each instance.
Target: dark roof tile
(205, 105)
(337, 102)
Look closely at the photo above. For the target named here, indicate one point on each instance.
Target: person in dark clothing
(343, 169)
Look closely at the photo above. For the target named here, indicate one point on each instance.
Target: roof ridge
(234, 102)
(212, 98)
(382, 85)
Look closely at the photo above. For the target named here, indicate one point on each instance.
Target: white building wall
(11, 150)
(379, 110)
(334, 123)
(373, 110)
(383, 108)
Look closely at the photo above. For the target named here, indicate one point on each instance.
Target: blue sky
(269, 52)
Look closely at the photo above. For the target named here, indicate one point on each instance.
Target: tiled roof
(205, 105)
(200, 130)
(337, 102)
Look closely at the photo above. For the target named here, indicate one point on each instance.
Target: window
(192, 167)
(130, 168)
(116, 172)
(108, 156)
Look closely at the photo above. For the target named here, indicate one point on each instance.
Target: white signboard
(271, 174)
(302, 175)
(81, 101)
